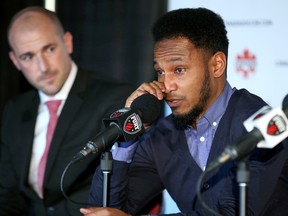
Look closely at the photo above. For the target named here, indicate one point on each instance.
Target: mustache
(173, 96)
(45, 74)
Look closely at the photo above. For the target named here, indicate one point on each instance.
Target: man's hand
(102, 212)
(155, 88)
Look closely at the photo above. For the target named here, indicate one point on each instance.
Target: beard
(183, 121)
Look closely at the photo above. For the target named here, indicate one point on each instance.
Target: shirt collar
(64, 91)
(217, 109)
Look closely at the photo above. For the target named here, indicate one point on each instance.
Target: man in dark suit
(41, 50)
(190, 58)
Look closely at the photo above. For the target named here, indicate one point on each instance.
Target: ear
(68, 39)
(14, 60)
(219, 64)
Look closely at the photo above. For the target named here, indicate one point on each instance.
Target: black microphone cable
(63, 191)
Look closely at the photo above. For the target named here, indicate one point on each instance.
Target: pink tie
(52, 107)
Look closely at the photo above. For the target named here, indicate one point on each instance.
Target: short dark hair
(204, 28)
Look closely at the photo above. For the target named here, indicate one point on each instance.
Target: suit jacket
(162, 160)
(89, 100)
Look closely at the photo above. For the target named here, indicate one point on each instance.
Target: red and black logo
(276, 126)
(133, 124)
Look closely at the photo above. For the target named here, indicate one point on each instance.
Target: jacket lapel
(27, 136)
(66, 118)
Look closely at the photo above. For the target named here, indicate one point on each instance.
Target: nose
(169, 82)
(42, 63)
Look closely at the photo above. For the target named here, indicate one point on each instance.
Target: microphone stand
(106, 167)
(243, 177)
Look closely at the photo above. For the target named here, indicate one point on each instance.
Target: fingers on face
(155, 88)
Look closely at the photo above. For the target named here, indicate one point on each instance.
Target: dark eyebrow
(43, 48)
(48, 45)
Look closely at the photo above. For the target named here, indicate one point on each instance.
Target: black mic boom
(123, 125)
(239, 149)
(270, 127)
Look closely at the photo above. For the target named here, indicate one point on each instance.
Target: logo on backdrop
(246, 63)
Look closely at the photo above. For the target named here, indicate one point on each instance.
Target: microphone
(123, 125)
(267, 128)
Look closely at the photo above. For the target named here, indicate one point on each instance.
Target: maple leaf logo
(246, 63)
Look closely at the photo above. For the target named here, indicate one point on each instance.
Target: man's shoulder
(241, 106)
(17, 105)
(24, 98)
(243, 99)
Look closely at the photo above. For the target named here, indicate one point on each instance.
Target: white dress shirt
(42, 124)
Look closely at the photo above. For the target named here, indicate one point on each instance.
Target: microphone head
(148, 106)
